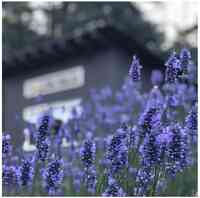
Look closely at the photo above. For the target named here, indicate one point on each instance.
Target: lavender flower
(143, 180)
(192, 72)
(113, 189)
(88, 153)
(90, 179)
(26, 172)
(43, 130)
(178, 150)
(53, 176)
(191, 125)
(150, 151)
(185, 57)
(43, 149)
(117, 153)
(191, 120)
(173, 68)
(135, 70)
(150, 117)
(10, 176)
(163, 139)
(42, 143)
(6, 145)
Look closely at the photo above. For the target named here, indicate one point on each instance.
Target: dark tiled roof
(96, 34)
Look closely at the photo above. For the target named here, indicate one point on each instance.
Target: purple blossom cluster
(26, 172)
(88, 155)
(128, 143)
(173, 68)
(178, 150)
(185, 58)
(10, 175)
(191, 123)
(6, 145)
(42, 143)
(117, 153)
(53, 176)
(135, 69)
(113, 189)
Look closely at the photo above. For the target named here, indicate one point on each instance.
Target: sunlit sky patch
(170, 18)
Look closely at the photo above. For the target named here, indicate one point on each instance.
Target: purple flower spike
(135, 70)
(191, 123)
(26, 172)
(43, 150)
(90, 179)
(178, 150)
(10, 176)
(150, 118)
(88, 153)
(117, 153)
(150, 151)
(42, 142)
(185, 57)
(113, 189)
(173, 68)
(143, 179)
(6, 145)
(53, 176)
(191, 119)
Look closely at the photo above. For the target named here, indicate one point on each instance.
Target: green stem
(127, 180)
(157, 170)
(100, 185)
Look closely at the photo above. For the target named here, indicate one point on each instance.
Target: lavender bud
(117, 153)
(42, 142)
(6, 145)
(53, 176)
(191, 119)
(135, 70)
(148, 119)
(43, 150)
(177, 151)
(113, 189)
(88, 153)
(26, 172)
(150, 150)
(143, 179)
(173, 67)
(185, 57)
(90, 179)
(10, 176)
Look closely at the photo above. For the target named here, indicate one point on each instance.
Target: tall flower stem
(156, 178)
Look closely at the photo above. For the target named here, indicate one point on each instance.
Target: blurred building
(59, 73)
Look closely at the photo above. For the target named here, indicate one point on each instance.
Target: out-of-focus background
(55, 52)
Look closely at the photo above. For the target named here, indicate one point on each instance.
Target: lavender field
(124, 143)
